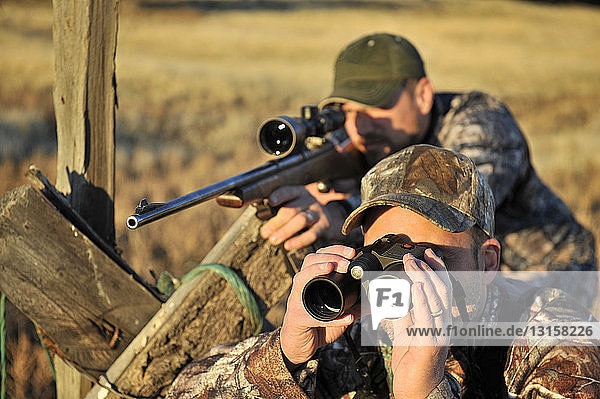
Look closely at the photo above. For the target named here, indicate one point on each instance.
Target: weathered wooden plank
(83, 301)
(39, 181)
(202, 313)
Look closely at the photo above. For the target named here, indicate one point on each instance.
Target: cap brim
(377, 94)
(444, 216)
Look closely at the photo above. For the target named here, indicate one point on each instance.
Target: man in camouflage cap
(381, 83)
(438, 198)
(443, 186)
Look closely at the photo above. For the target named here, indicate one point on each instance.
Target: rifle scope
(281, 135)
(328, 297)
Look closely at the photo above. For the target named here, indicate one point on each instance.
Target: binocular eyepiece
(281, 135)
(328, 297)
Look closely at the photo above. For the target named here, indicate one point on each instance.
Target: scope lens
(323, 300)
(276, 137)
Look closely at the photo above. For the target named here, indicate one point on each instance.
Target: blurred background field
(196, 78)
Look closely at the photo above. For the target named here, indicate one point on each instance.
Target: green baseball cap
(441, 185)
(370, 70)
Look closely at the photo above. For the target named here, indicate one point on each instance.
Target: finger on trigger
(284, 194)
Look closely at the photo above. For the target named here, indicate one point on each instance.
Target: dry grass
(194, 84)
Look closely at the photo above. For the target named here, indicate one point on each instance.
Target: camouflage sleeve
(481, 127)
(554, 371)
(447, 389)
(561, 371)
(253, 368)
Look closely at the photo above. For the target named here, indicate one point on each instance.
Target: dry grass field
(196, 78)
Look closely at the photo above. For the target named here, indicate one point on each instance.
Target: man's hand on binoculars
(300, 213)
(301, 335)
(418, 361)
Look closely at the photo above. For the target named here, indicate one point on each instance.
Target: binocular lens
(276, 137)
(323, 299)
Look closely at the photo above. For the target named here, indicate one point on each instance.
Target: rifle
(312, 148)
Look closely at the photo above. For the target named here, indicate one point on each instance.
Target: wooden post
(69, 383)
(85, 38)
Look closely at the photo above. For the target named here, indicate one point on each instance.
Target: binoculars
(328, 297)
(282, 135)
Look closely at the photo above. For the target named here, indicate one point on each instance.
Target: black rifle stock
(312, 148)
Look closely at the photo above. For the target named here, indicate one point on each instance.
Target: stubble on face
(379, 132)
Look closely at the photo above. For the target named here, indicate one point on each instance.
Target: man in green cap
(380, 82)
(435, 198)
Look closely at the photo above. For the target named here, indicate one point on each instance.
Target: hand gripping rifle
(309, 149)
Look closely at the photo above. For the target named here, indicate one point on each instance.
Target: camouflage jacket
(536, 229)
(256, 368)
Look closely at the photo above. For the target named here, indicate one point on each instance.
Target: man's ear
(490, 257)
(424, 95)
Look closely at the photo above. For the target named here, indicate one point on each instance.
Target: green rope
(2, 346)
(50, 362)
(239, 288)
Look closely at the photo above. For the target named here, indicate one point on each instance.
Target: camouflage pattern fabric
(255, 367)
(439, 184)
(536, 229)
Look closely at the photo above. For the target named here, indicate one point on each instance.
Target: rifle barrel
(269, 168)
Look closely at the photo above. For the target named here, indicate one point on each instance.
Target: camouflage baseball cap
(441, 185)
(370, 70)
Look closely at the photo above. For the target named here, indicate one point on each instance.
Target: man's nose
(364, 124)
